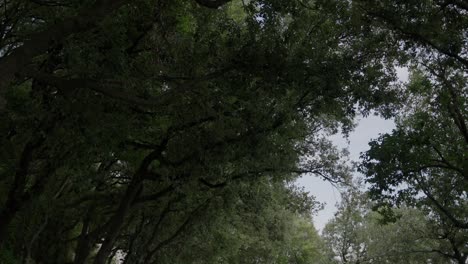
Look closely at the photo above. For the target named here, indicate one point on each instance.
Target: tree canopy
(155, 131)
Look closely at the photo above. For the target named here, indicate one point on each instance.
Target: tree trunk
(118, 219)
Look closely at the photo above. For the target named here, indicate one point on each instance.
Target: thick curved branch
(39, 42)
(127, 201)
(212, 3)
(110, 89)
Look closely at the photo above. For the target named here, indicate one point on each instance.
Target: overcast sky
(368, 128)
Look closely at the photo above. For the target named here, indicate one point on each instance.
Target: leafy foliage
(359, 235)
(121, 117)
(135, 130)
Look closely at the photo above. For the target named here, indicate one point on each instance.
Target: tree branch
(40, 42)
(214, 4)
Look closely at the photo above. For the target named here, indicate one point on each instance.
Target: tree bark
(118, 219)
(128, 199)
(15, 199)
(84, 242)
(212, 3)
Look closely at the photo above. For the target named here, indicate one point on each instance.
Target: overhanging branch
(40, 42)
(212, 3)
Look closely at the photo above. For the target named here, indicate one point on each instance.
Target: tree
(126, 116)
(262, 226)
(422, 163)
(357, 234)
(343, 235)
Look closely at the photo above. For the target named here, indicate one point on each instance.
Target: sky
(368, 128)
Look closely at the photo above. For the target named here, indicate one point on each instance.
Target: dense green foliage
(145, 127)
(423, 163)
(156, 131)
(359, 235)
